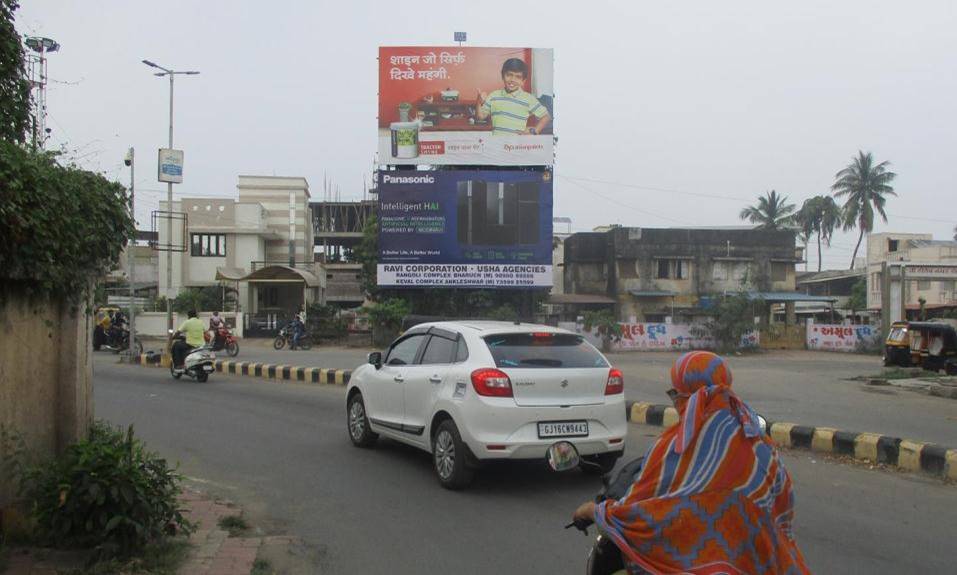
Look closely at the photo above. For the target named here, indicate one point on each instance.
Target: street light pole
(169, 192)
(131, 261)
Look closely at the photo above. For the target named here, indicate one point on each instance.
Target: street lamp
(169, 189)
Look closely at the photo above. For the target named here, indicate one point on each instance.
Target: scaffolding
(337, 227)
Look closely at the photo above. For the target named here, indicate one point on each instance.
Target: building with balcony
(914, 268)
(259, 245)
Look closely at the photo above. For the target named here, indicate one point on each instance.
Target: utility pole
(131, 257)
(169, 192)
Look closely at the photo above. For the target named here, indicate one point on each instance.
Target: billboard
(458, 228)
(465, 106)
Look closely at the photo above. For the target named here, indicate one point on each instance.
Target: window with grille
(208, 245)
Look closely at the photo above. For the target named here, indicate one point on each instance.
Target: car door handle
(435, 379)
(398, 378)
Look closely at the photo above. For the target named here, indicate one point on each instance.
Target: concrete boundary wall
(46, 375)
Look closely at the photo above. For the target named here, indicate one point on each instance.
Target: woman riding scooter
(713, 496)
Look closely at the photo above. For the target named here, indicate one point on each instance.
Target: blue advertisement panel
(474, 228)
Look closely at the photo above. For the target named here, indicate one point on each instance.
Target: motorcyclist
(712, 496)
(193, 329)
(298, 328)
(216, 324)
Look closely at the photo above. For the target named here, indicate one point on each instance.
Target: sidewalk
(212, 551)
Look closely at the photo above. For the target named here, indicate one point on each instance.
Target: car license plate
(207, 368)
(562, 429)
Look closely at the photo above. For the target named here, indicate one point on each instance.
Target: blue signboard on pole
(465, 228)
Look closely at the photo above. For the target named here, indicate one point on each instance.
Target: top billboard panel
(441, 105)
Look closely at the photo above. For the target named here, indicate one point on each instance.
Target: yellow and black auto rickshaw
(897, 346)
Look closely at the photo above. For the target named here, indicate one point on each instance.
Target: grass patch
(262, 567)
(234, 524)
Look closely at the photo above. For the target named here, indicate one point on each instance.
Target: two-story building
(905, 269)
(674, 274)
(261, 245)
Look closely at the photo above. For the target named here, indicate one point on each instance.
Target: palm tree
(771, 213)
(819, 215)
(866, 186)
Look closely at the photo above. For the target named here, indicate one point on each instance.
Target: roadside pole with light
(131, 258)
(169, 191)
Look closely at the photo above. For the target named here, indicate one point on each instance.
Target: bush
(106, 493)
(604, 323)
(732, 317)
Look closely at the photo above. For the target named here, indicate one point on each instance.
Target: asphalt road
(805, 387)
(281, 451)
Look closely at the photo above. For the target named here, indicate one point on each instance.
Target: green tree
(731, 318)
(858, 299)
(14, 86)
(819, 215)
(772, 212)
(604, 322)
(209, 298)
(865, 185)
(367, 254)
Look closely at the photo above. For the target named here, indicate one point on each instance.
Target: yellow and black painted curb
(264, 370)
(904, 454)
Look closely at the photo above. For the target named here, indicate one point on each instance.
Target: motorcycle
(223, 339)
(198, 363)
(604, 558)
(115, 339)
(285, 337)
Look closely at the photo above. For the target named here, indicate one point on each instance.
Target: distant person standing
(511, 106)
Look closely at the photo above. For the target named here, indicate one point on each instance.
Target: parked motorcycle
(223, 339)
(198, 363)
(115, 339)
(604, 558)
(285, 337)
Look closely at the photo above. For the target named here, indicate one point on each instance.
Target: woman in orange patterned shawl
(712, 497)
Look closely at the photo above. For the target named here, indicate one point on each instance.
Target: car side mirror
(375, 358)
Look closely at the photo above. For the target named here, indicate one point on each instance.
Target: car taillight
(616, 382)
(491, 383)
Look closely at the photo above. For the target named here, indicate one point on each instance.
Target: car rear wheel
(449, 458)
(360, 433)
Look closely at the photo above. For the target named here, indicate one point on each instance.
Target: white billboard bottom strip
(467, 148)
(465, 275)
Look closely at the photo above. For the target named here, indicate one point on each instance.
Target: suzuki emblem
(564, 383)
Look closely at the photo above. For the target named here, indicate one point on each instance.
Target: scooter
(604, 558)
(198, 363)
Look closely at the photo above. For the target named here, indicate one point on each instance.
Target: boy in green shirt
(510, 107)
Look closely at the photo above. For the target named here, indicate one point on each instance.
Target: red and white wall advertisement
(466, 106)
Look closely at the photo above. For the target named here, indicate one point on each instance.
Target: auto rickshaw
(897, 347)
(936, 345)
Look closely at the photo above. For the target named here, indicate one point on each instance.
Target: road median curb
(905, 454)
(267, 371)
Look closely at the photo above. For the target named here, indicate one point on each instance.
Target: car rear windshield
(537, 350)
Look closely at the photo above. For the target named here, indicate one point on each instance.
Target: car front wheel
(448, 457)
(359, 431)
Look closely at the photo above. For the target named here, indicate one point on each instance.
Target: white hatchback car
(473, 391)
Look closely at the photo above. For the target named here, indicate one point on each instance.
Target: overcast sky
(667, 113)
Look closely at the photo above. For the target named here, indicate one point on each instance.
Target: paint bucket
(405, 139)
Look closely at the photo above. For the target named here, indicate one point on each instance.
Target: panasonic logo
(387, 179)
